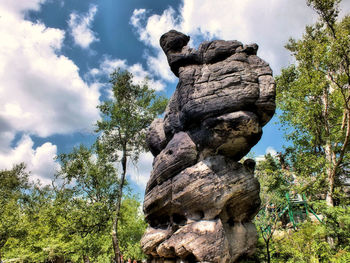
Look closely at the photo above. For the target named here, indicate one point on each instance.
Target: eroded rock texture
(200, 200)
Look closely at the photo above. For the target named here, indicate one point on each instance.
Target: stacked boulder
(200, 200)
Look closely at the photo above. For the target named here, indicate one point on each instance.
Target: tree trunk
(59, 259)
(115, 239)
(328, 148)
(268, 251)
(330, 175)
(86, 259)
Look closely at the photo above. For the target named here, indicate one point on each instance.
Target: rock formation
(200, 200)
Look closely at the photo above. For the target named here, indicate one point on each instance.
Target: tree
(314, 96)
(307, 243)
(41, 240)
(88, 202)
(131, 228)
(275, 181)
(13, 183)
(125, 119)
(71, 221)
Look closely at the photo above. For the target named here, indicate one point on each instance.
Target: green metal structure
(297, 210)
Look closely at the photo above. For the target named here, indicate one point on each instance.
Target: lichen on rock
(200, 200)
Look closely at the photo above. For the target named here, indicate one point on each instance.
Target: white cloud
(108, 65)
(6, 138)
(269, 23)
(140, 172)
(79, 27)
(158, 65)
(138, 15)
(18, 7)
(40, 161)
(41, 91)
(139, 74)
(149, 30)
(269, 150)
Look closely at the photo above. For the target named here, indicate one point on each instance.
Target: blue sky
(56, 55)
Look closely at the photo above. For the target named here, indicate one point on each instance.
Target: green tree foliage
(13, 184)
(53, 235)
(131, 228)
(314, 98)
(308, 244)
(72, 221)
(275, 180)
(88, 203)
(43, 239)
(310, 241)
(123, 125)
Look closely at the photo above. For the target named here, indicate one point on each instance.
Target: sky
(56, 56)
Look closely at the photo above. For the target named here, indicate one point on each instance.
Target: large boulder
(200, 200)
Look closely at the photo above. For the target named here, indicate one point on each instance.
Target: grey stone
(200, 200)
(155, 137)
(223, 243)
(152, 238)
(172, 122)
(232, 134)
(188, 243)
(203, 190)
(157, 204)
(218, 50)
(266, 102)
(173, 41)
(179, 154)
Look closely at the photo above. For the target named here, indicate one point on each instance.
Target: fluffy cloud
(270, 23)
(41, 91)
(149, 30)
(140, 172)
(108, 65)
(269, 150)
(39, 161)
(79, 27)
(158, 66)
(18, 7)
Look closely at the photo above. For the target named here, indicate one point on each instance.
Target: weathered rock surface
(204, 191)
(231, 134)
(177, 155)
(155, 137)
(200, 200)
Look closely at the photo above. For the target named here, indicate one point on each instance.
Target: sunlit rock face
(200, 200)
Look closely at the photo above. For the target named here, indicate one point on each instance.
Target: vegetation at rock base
(89, 201)
(309, 241)
(313, 96)
(72, 221)
(13, 184)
